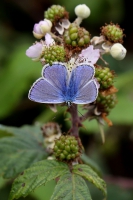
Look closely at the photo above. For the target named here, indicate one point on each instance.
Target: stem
(88, 114)
(78, 20)
(75, 120)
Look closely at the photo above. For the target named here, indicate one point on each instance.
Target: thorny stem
(75, 120)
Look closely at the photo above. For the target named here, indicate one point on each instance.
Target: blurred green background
(18, 72)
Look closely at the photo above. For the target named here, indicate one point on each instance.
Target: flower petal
(34, 51)
(49, 40)
(90, 55)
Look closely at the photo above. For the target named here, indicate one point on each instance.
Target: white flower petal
(60, 29)
(90, 55)
(65, 23)
(49, 40)
(35, 51)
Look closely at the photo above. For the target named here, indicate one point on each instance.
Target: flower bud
(42, 28)
(35, 51)
(82, 11)
(117, 51)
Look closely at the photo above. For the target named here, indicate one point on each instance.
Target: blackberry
(76, 36)
(54, 53)
(113, 33)
(55, 13)
(66, 148)
(104, 76)
(106, 103)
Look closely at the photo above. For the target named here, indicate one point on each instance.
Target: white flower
(88, 56)
(35, 51)
(117, 51)
(42, 28)
(82, 11)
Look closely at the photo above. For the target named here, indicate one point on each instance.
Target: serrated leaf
(89, 174)
(91, 163)
(71, 187)
(40, 173)
(21, 150)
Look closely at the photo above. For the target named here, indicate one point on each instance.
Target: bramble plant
(71, 76)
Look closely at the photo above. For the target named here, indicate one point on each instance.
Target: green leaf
(91, 163)
(71, 187)
(33, 177)
(21, 150)
(87, 172)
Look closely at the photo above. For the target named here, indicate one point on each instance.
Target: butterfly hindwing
(87, 94)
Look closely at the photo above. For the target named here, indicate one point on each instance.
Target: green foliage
(87, 173)
(91, 163)
(21, 150)
(71, 187)
(40, 173)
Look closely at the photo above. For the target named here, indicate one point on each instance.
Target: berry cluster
(112, 32)
(66, 148)
(54, 53)
(55, 12)
(76, 36)
(106, 103)
(104, 76)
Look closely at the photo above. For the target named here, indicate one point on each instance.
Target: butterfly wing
(83, 88)
(56, 75)
(52, 86)
(87, 94)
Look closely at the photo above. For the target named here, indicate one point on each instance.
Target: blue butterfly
(57, 86)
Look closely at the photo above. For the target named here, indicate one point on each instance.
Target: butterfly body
(57, 86)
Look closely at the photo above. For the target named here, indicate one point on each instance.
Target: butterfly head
(69, 103)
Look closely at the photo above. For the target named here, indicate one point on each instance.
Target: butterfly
(58, 86)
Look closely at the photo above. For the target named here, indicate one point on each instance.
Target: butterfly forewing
(56, 75)
(79, 90)
(51, 88)
(81, 75)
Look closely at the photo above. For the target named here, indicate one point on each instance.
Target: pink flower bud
(42, 28)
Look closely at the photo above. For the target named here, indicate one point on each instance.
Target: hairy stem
(75, 120)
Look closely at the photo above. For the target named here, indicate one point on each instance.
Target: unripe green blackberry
(55, 13)
(66, 148)
(104, 76)
(113, 33)
(76, 36)
(106, 103)
(54, 53)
